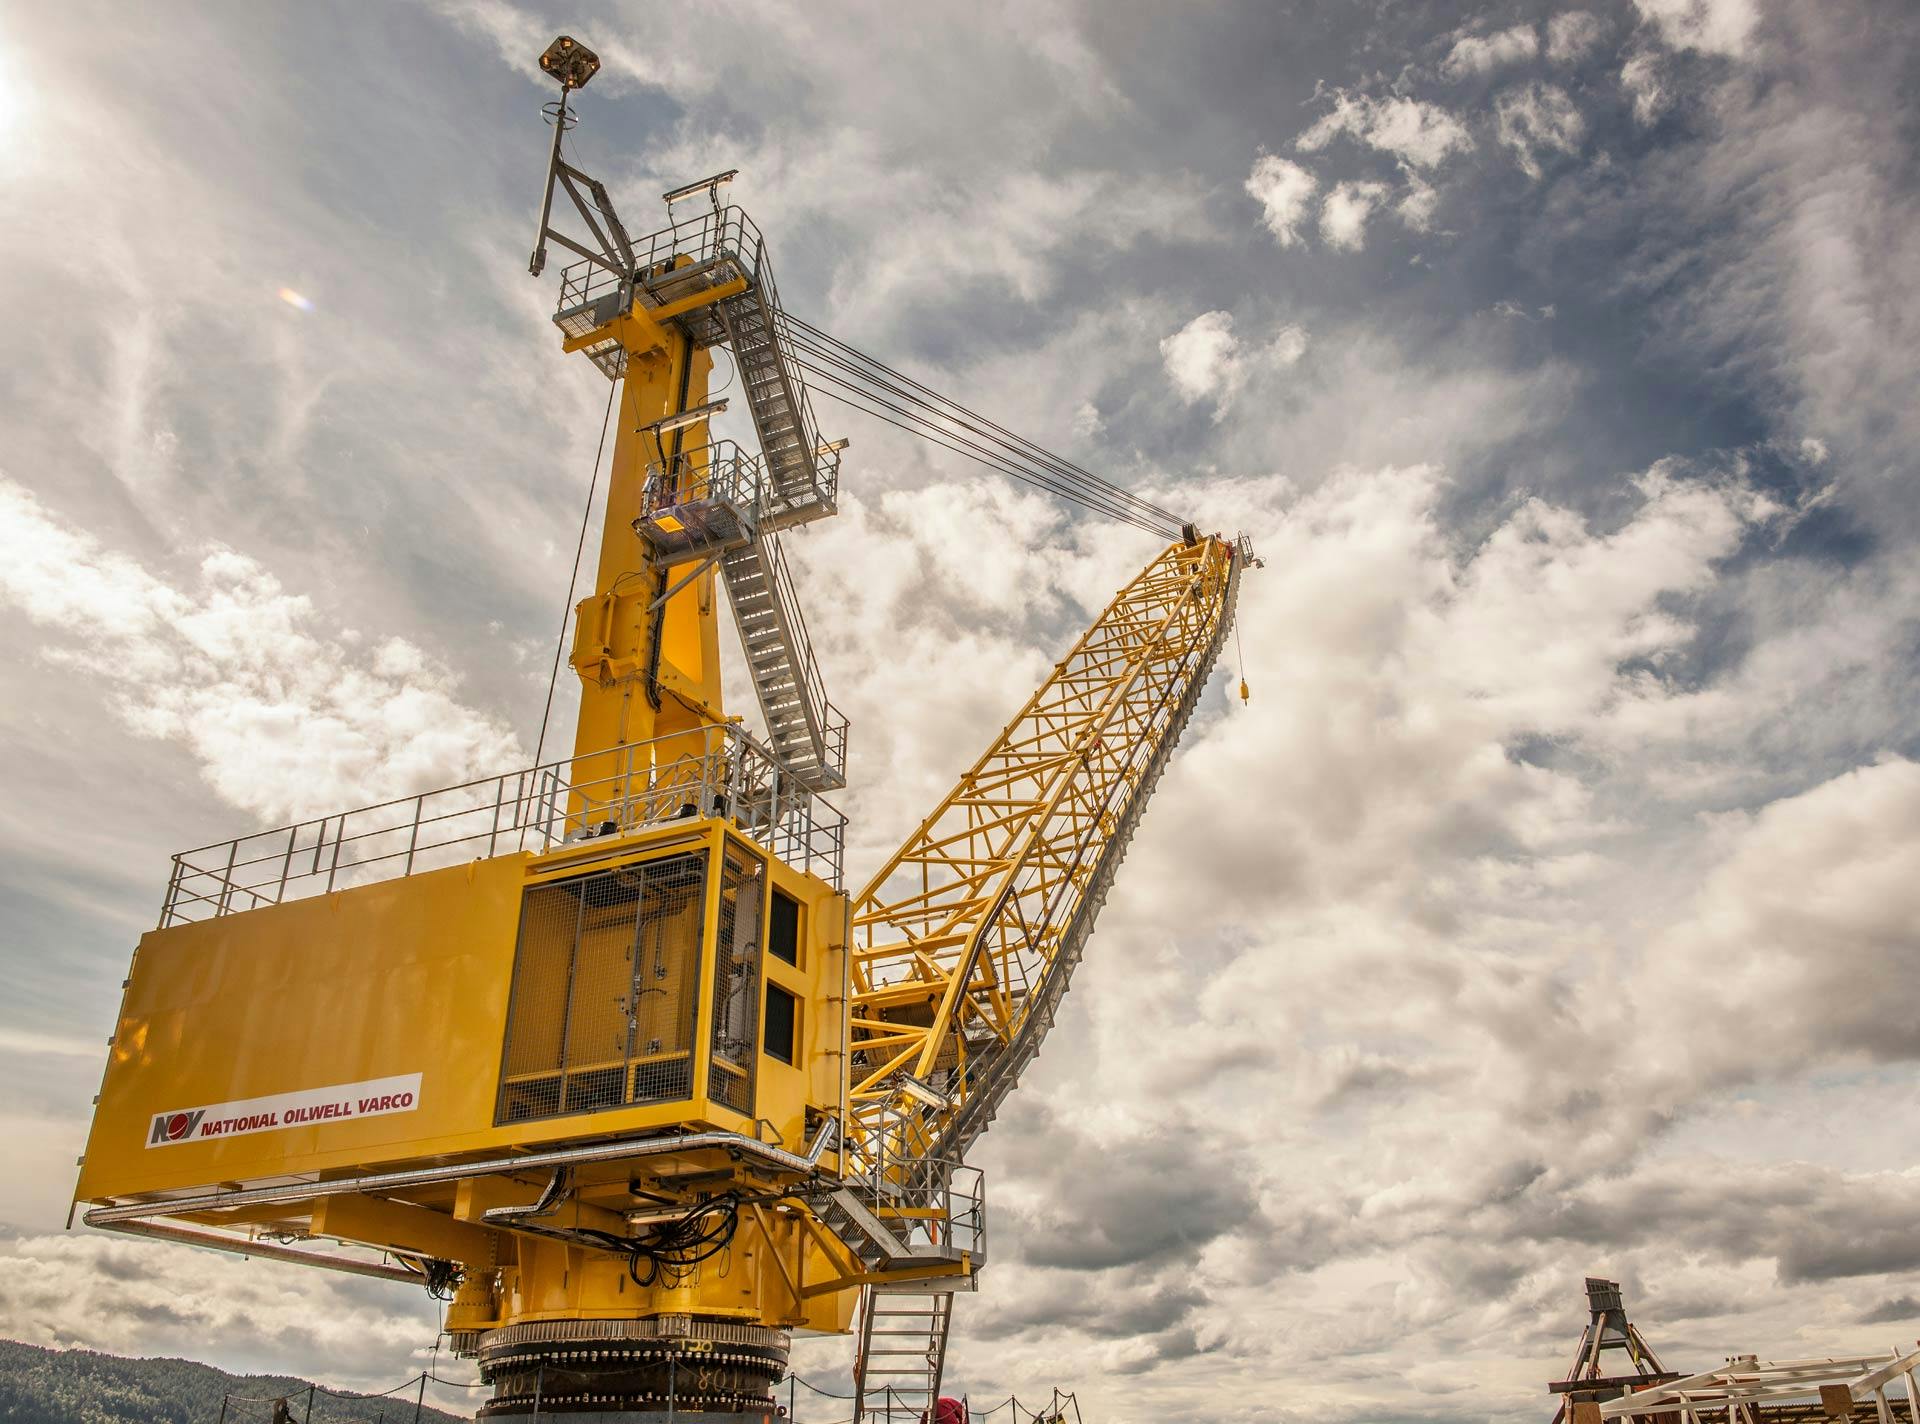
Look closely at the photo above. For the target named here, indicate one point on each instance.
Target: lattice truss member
(964, 942)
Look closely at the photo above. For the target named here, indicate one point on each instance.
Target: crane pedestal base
(634, 1371)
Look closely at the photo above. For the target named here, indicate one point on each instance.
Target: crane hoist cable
(974, 453)
(959, 414)
(857, 388)
(858, 380)
(573, 579)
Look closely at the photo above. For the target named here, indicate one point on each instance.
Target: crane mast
(598, 1050)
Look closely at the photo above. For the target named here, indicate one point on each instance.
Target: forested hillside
(80, 1387)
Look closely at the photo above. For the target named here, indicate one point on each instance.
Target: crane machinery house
(601, 1051)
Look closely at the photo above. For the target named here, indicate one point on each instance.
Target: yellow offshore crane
(599, 1051)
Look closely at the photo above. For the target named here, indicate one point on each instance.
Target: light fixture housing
(570, 62)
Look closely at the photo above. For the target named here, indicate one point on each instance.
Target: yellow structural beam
(969, 929)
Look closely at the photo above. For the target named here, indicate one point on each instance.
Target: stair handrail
(796, 388)
(821, 713)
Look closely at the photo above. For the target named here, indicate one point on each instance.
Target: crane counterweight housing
(600, 1050)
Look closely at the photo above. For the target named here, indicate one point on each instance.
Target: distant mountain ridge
(40, 1386)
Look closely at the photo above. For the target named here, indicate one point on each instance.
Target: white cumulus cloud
(1641, 78)
(1479, 54)
(1207, 361)
(1203, 360)
(1343, 217)
(1421, 134)
(284, 719)
(1572, 34)
(1417, 204)
(1710, 26)
(1284, 190)
(1536, 119)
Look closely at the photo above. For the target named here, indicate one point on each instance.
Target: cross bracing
(964, 940)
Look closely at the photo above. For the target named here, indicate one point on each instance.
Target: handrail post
(626, 787)
(173, 892)
(286, 862)
(413, 839)
(339, 835)
(226, 880)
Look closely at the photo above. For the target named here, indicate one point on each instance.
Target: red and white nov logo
(174, 1126)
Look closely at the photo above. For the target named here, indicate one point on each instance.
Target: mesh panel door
(533, 1065)
(666, 988)
(736, 983)
(601, 991)
(604, 991)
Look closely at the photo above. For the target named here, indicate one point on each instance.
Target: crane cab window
(782, 1025)
(783, 929)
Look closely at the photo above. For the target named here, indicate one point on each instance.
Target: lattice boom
(964, 939)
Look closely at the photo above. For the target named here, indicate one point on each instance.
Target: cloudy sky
(1551, 909)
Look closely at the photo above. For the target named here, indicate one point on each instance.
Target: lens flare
(294, 299)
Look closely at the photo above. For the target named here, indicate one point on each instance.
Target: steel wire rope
(1067, 469)
(977, 453)
(1094, 498)
(1004, 462)
(804, 1381)
(1094, 492)
(1097, 495)
(573, 579)
(408, 1383)
(451, 1384)
(989, 461)
(822, 342)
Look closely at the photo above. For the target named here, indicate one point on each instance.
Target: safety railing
(708, 236)
(712, 771)
(825, 479)
(830, 719)
(929, 1199)
(703, 500)
(718, 472)
(937, 1202)
(724, 238)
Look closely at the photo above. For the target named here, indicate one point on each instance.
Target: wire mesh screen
(605, 988)
(736, 983)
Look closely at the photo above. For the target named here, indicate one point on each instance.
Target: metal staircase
(808, 733)
(906, 1216)
(713, 249)
(723, 504)
(902, 1355)
(789, 439)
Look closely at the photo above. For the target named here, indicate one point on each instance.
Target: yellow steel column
(630, 692)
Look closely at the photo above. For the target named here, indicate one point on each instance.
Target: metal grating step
(808, 733)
